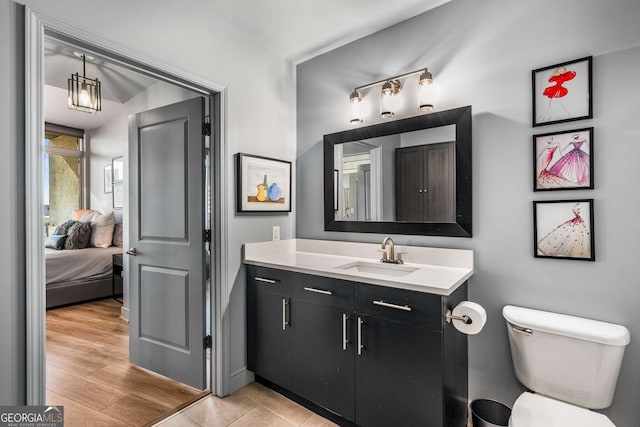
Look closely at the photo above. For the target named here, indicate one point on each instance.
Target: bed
(78, 275)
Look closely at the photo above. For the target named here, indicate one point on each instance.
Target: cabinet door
(409, 182)
(269, 336)
(399, 375)
(439, 161)
(323, 362)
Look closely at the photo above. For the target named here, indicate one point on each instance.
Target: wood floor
(89, 374)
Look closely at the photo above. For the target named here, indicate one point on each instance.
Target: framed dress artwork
(562, 92)
(563, 160)
(564, 229)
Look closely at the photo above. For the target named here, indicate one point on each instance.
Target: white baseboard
(124, 313)
(239, 379)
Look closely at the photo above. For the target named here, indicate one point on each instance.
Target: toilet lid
(534, 410)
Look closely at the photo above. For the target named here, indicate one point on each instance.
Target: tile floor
(252, 406)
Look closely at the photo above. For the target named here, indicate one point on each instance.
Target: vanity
(357, 340)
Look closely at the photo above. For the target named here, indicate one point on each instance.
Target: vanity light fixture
(390, 87)
(356, 102)
(84, 93)
(426, 97)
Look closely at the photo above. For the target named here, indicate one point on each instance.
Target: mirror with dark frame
(409, 176)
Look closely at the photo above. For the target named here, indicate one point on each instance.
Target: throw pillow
(89, 216)
(102, 230)
(55, 241)
(79, 236)
(117, 235)
(76, 214)
(64, 227)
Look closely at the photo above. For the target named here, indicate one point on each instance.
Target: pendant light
(84, 93)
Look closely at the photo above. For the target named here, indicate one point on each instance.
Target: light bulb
(84, 99)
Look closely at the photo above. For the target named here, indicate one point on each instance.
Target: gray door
(166, 259)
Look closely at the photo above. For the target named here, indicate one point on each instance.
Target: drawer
(323, 290)
(415, 308)
(269, 279)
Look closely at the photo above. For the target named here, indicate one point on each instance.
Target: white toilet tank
(569, 358)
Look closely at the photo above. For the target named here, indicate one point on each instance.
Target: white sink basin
(378, 268)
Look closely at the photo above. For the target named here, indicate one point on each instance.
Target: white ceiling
(301, 29)
(297, 30)
(118, 85)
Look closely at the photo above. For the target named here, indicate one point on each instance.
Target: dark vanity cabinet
(370, 355)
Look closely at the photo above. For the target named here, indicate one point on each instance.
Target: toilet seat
(535, 410)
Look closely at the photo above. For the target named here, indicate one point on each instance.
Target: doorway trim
(36, 26)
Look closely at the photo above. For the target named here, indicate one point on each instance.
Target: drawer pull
(285, 321)
(318, 291)
(262, 279)
(360, 346)
(345, 341)
(396, 306)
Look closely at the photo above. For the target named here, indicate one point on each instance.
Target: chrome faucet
(391, 258)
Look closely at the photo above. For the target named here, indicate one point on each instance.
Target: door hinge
(206, 236)
(206, 129)
(207, 342)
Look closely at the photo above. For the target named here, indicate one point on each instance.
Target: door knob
(132, 252)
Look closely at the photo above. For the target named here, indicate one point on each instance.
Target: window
(63, 175)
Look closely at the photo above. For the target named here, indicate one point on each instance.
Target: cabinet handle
(262, 279)
(388, 304)
(345, 341)
(319, 291)
(285, 322)
(360, 346)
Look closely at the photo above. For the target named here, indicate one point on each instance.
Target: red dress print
(559, 77)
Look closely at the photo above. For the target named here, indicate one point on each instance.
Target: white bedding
(76, 264)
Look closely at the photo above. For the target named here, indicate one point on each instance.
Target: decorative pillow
(117, 235)
(55, 241)
(76, 214)
(63, 228)
(89, 216)
(79, 236)
(102, 230)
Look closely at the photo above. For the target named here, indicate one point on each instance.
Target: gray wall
(482, 54)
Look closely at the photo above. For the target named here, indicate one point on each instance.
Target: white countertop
(437, 270)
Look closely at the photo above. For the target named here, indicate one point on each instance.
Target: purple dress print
(574, 165)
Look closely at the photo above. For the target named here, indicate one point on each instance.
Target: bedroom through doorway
(86, 203)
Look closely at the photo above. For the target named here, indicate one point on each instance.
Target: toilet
(568, 364)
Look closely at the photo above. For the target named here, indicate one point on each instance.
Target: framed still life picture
(562, 92)
(563, 160)
(264, 184)
(564, 229)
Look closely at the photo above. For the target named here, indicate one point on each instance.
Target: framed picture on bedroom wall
(563, 160)
(562, 92)
(108, 179)
(564, 229)
(118, 196)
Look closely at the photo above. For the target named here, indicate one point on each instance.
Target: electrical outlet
(275, 232)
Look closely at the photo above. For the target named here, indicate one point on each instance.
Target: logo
(31, 416)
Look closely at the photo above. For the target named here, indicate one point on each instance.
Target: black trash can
(489, 413)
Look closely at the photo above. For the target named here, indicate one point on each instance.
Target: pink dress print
(569, 239)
